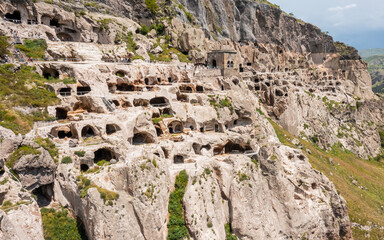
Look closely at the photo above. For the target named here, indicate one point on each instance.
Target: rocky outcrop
(124, 131)
(259, 23)
(36, 170)
(8, 143)
(21, 223)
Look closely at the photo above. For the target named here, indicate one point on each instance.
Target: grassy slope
(376, 69)
(364, 205)
(23, 88)
(375, 60)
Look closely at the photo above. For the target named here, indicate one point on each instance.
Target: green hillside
(376, 69)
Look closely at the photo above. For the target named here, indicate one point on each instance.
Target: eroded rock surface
(125, 130)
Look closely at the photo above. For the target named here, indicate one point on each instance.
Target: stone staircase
(108, 104)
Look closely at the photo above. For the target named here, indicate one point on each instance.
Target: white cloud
(342, 8)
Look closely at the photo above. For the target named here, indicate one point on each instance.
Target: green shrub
(165, 56)
(21, 151)
(243, 176)
(160, 28)
(157, 120)
(70, 80)
(176, 225)
(128, 39)
(104, 23)
(381, 134)
(107, 195)
(259, 111)
(4, 44)
(7, 204)
(137, 57)
(84, 184)
(33, 48)
(103, 163)
(48, 145)
(228, 232)
(144, 30)
(189, 15)
(152, 6)
(66, 160)
(80, 153)
(57, 225)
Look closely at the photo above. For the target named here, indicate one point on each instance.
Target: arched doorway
(142, 138)
(87, 132)
(103, 154)
(214, 64)
(158, 101)
(112, 128)
(178, 159)
(50, 73)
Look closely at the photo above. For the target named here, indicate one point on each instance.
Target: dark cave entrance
(44, 194)
(61, 114)
(87, 132)
(84, 167)
(178, 159)
(103, 154)
(13, 16)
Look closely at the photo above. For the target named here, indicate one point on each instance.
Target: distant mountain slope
(365, 53)
(376, 69)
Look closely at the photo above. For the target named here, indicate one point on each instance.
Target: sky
(359, 23)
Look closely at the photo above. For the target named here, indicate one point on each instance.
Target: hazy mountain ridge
(375, 59)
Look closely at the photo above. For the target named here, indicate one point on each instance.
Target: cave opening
(124, 87)
(83, 90)
(112, 128)
(50, 73)
(159, 132)
(87, 132)
(158, 101)
(65, 37)
(120, 73)
(178, 159)
(13, 16)
(103, 154)
(231, 147)
(61, 114)
(140, 103)
(54, 22)
(64, 134)
(44, 194)
(84, 167)
(142, 138)
(196, 148)
(65, 92)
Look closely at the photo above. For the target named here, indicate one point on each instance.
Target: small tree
(4, 44)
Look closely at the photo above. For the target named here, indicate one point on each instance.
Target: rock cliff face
(123, 132)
